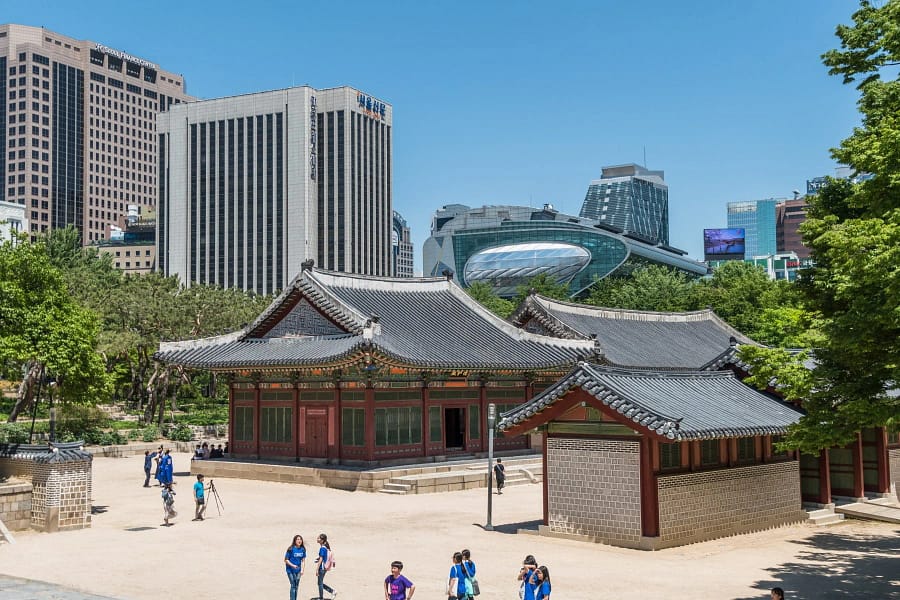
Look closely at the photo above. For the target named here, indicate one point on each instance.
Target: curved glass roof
(509, 266)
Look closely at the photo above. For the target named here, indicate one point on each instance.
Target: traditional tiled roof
(325, 318)
(677, 406)
(47, 453)
(635, 338)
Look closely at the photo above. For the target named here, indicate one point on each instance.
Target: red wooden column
(257, 417)
(231, 417)
(858, 481)
(370, 421)
(426, 433)
(482, 401)
(649, 492)
(824, 477)
(338, 423)
(884, 468)
(297, 422)
(545, 484)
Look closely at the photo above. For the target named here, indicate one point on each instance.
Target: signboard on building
(371, 106)
(723, 244)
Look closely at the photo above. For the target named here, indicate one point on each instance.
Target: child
(168, 498)
(396, 585)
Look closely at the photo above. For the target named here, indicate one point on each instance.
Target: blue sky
(524, 102)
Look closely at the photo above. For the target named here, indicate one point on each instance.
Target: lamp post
(50, 385)
(492, 416)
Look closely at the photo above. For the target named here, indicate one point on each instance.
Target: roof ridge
(671, 316)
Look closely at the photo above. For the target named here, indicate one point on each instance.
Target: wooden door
(316, 435)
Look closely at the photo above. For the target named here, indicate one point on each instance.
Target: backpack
(329, 561)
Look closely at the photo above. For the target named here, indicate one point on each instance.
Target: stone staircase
(820, 515)
(463, 475)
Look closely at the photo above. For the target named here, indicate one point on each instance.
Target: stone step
(396, 487)
(824, 516)
(464, 478)
(870, 511)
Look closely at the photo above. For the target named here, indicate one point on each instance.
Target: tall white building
(252, 186)
(12, 220)
(79, 130)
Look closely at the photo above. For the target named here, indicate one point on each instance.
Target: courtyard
(127, 554)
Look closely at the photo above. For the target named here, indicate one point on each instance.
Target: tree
(652, 287)
(544, 285)
(853, 231)
(483, 293)
(43, 331)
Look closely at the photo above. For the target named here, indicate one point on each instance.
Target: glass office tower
(632, 198)
(757, 218)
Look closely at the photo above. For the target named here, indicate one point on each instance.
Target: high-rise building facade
(79, 129)
(252, 186)
(757, 219)
(401, 247)
(632, 198)
(789, 215)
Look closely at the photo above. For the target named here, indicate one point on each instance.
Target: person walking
(166, 467)
(528, 578)
(199, 498)
(148, 466)
(542, 592)
(397, 586)
(500, 475)
(324, 562)
(456, 585)
(168, 498)
(468, 566)
(294, 561)
(159, 472)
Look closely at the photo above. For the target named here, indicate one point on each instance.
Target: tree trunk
(150, 408)
(25, 397)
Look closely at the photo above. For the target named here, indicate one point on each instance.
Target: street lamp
(492, 416)
(50, 385)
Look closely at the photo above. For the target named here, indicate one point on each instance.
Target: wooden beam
(858, 480)
(824, 477)
(884, 468)
(649, 492)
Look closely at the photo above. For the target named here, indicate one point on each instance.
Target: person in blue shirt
(166, 468)
(325, 563)
(457, 574)
(294, 561)
(159, 467)
(542, 592)
(199, 499)
(528, 578)
(468, 567)
(148, 465)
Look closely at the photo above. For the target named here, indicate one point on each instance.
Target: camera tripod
(215, 494)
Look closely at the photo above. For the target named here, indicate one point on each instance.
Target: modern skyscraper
(79, 122)
(757, 219)
(789, 215)
(254, 185)
(632, 198)
(401, 247)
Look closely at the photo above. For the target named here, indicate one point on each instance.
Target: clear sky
(523, 102)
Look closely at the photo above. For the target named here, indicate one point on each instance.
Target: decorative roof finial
(447, 273)
(732, 341)
(374, 318)
(532, 291)
(307, 265)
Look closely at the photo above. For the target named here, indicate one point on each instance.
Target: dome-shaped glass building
(506, 246)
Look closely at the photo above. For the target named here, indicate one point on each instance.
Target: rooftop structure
(632, 198)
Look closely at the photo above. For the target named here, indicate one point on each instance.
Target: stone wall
(594, 489)
(15, 504)
(894, 466)
(710, 504)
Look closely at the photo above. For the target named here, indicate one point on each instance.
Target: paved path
(27, 589)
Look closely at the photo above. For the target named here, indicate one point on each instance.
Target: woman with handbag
(325, 563)
(468, 567)
(456, 586)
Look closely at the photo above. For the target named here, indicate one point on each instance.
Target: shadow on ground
(514, 527)
(836, 565)
(98, 509)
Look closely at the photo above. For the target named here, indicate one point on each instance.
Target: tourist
(469, 571)
(456, 586)
(159, 473)
(294, 560)
(777, 593)
(325, 562)
(205, 448)
(148, 466)
(166, 468)
(225, 451)
(215, 452)
(198, 453)
(199, 500)
(500, 475)
(528, 578)
(542, 592)
(168, 498)
(397, 586)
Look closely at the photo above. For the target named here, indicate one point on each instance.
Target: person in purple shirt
(396, 586)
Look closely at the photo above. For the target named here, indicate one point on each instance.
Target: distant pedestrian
(777, 593)
(469, 572)
(397, 586)
(148, 466)
(500, 475)
(159, 472)
(166, 468)
(324, 562)
(527, 578)
(456, 584)
(168, 498)
(542, 592)
(294, 562)
(225, 451)
(199, 498)
(198, 453)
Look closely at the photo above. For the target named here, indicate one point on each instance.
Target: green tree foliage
(43, 330)
(649, 288)
(853, 230)
(484, 294)
(544, 285)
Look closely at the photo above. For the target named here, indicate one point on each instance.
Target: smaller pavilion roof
(677, 406)
(639, 339)
(47, 453)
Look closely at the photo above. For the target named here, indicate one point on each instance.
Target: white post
(492, 415)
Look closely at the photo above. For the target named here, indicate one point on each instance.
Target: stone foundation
(594, 489)
(15, 504)
(711, 504)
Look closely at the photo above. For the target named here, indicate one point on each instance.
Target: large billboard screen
(723, 244)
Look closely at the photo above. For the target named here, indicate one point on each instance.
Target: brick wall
(61, 491)
(594, 489)
(700, 506)
(894, 465)
(15, 504)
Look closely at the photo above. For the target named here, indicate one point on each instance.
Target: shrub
(13, 433)
(80, 420)
(150, 433)
(181, 433)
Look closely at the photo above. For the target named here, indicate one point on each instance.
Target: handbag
(453, 587)
(522, 590)
(471, 583)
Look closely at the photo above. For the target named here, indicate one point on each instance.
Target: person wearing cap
(148, 466)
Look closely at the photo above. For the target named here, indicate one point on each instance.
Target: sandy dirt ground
(127, 554)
